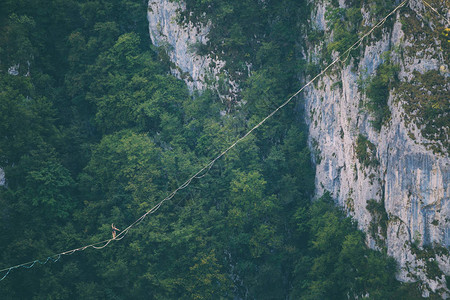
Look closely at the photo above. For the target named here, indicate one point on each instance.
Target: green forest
(94, 130)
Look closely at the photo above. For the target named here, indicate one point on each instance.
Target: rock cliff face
(180, 42)
(393, 179)
(401, 170)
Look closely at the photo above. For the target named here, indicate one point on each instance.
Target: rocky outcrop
(181, 41)
(400, 171)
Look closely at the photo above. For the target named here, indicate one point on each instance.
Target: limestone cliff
(398, 165)
(180, 42)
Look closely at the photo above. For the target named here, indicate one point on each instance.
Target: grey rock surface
(412, 181)
(180, 42)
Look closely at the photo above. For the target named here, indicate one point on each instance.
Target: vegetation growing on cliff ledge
(366, 152)
(425, 100)
(378, 90)
(345, 25)
(378, 224)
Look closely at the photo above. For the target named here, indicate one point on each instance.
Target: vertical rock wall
(407, 177)
(180, 41)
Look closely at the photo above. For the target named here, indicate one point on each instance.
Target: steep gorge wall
(404, 179)
(408, 177)
(178, 41)
(181, 42)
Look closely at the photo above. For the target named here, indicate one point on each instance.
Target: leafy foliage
(251, 32)
(378, 91)
(366, 152)
(338, 264)
(379, 222)
(344, 24)
(425, 100)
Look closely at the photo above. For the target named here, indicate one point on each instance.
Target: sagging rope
(343, 57)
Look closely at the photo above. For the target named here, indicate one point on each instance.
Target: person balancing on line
(114, 230)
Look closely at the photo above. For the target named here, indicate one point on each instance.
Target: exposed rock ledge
(180, 43)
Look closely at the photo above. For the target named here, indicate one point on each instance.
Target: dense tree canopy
(94, 131)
